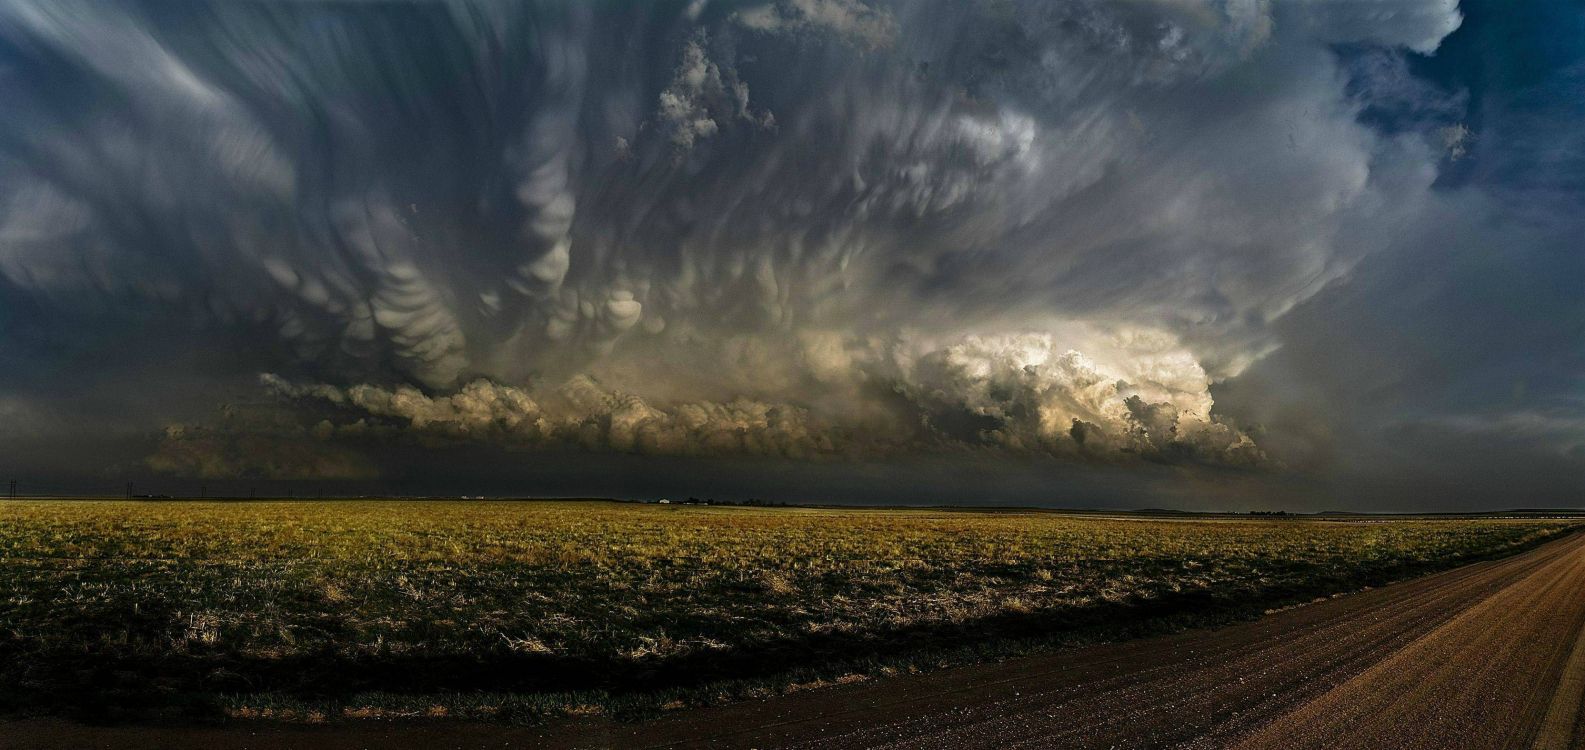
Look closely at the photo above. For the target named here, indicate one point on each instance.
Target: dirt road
(1487, 656)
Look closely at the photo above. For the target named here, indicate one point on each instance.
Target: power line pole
(129, 490)
(13, 489)
(203, 492)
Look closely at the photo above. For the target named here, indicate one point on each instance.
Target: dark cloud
(804, 231)
(1449, 371)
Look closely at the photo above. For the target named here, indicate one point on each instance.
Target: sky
(1201, 254)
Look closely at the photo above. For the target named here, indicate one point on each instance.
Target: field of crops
(515, 610)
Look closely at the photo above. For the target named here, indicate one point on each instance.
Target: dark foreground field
(338, 611)
(1487, 656)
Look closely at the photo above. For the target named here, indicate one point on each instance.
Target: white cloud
(1016, 393)
(1420, 25)
(701, 96)
(848, 19)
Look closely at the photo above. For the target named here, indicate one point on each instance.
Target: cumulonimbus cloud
(1019, 394)
(433, 209)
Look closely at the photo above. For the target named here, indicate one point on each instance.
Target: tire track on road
(1204, 689)
(1557, 728)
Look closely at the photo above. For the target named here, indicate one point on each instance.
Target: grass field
(519, 610)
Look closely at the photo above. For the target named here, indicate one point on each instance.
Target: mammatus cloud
(801, 229)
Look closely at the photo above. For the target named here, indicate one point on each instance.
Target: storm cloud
(803, 230)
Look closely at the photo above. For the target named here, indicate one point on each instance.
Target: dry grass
(301, 609)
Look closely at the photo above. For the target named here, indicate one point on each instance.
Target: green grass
(520, 610)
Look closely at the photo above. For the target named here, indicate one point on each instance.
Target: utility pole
(129, 490)
(203, 492)
(13, 489)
